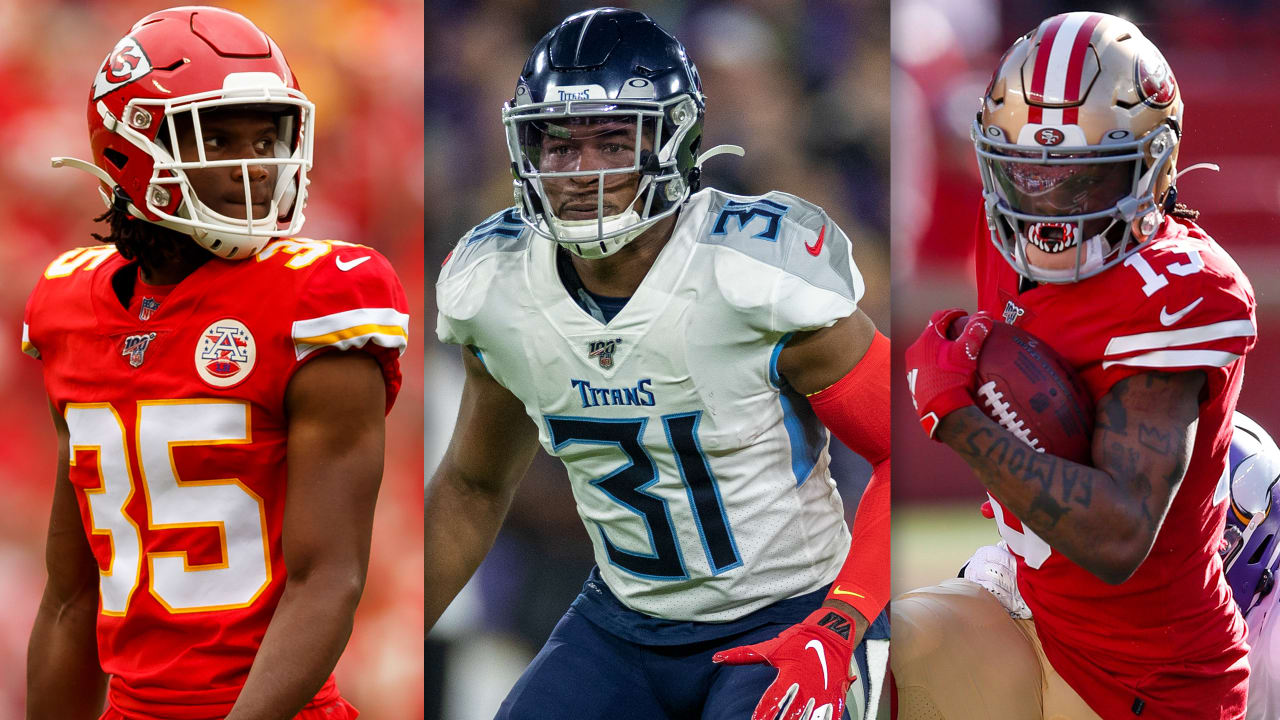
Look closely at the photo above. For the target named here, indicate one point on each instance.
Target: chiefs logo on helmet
(1155, 80)
(126, 62)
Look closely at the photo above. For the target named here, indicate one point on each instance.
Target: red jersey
(1169, 640)
(176, 413)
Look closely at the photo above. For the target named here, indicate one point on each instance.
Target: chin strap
(719, 150)
(1198, 166)
(88, 167)
(101, 175)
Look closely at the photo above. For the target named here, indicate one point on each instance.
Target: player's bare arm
(64, 681)
(1103, 518)
(336, 406)
(468, 496)
(815, 360)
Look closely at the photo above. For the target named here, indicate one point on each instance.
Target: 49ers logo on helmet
(126, 63)
(1049, 136)
(1155, 80)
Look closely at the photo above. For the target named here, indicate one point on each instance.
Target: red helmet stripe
(1036, 95)
(1075, 67)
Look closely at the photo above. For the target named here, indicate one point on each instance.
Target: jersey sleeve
(352, 303)
(64, 283)
(28, 346)
(792, 269)
(1191, 308)
(470, 269)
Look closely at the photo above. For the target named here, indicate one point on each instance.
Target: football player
(219, 389)
(680, 350)
(1251, 556)
(1084, 244)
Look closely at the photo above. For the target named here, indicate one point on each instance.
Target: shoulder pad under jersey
(791, 266)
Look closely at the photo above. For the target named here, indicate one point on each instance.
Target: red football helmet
(188, 60)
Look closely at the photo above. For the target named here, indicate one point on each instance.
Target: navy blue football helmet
(614, 80)
(1250, 550)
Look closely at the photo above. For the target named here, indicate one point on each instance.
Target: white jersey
(701, 479)
(1264, 660)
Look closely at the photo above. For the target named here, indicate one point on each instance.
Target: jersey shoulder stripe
(386, 327)
(27, 347)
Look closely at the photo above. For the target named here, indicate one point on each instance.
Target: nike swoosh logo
(1167, 318)
(838, 591)
(345, 265)
(816, 248)
(816, 646)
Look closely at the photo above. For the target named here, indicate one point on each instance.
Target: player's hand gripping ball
(941, 365)
(1031, 391)
(814, 661)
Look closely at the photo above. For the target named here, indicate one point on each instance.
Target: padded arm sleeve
(856, 410)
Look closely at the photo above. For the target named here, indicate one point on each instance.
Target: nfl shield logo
(603, 350)
(1012, 313)
(135, 348)
(149, 306)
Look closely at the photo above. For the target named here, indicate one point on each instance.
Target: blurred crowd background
(801, 84)
(360, 61)
(1224, 57)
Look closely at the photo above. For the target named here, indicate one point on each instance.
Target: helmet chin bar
(1139, 211)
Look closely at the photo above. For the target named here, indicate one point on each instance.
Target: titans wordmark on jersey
(700, 476)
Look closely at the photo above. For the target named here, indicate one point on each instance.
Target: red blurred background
(361, 62)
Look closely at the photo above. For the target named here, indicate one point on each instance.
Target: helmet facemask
(1089, 205)
(150, 124)
(289, 162)
(571, 159)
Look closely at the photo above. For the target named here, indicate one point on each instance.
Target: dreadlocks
(148, 244)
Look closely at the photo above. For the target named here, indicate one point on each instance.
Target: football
(1031, 391)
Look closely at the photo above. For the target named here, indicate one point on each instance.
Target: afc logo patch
(225, 353)
(126, 62)
(1012, 313)
(603, 350)
(135, 348)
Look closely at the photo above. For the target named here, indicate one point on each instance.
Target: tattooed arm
(1103, 518)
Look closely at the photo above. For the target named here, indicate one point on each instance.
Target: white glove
(994, 568)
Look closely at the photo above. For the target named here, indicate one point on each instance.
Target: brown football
(1031, 391)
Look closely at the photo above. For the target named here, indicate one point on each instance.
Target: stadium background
(801, 84)
(1223, 55)
(360, 61)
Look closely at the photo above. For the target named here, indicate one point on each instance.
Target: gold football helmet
(1077, 142)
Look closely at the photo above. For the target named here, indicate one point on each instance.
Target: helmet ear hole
(1261, 551)
(116, 158)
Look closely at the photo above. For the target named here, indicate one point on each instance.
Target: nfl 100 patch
(135, 348)
(603, 351)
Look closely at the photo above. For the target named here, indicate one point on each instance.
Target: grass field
(931, 542)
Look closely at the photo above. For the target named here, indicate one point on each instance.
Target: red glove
(940, 370)
(814, 667)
